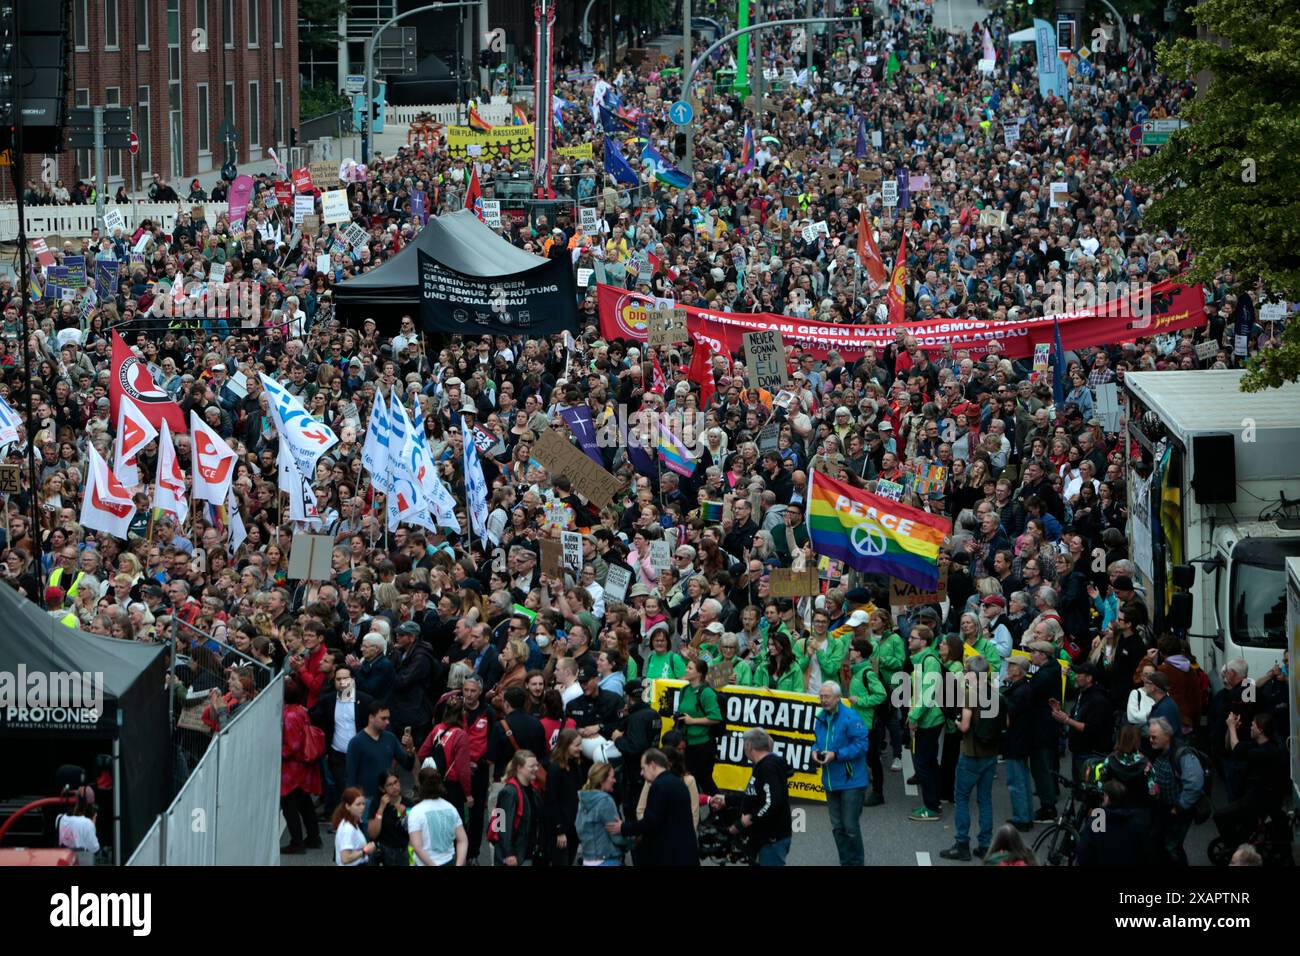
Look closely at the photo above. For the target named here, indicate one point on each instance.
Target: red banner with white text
(1162, 308)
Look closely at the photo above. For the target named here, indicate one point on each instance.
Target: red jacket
(456, 746)
(311, 676)
(296, 773)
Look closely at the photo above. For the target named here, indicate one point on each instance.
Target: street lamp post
(367, 120)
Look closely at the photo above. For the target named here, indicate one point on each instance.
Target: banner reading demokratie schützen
(787, 717)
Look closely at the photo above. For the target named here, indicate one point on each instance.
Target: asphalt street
(889, 837)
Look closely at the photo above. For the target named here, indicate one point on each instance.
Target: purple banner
(578, 418)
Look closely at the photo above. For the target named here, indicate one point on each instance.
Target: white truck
(1214, 483)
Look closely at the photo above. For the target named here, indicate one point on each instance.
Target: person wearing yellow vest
(66, 567)
(54, 597)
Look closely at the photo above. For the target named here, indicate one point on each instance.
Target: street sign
(134, 146)
(1157, 132)
(354, 83)
(681, 113)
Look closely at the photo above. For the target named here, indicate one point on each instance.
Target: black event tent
(131, 736)
(456, 240)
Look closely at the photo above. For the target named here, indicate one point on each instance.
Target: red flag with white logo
(107, 505)
(134, 432)
(169, 486)
(214, 462)
(130, 377)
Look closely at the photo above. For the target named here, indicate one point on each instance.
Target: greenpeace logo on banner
(74, 909)
(51, 699)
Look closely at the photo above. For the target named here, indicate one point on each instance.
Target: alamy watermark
(51, 697)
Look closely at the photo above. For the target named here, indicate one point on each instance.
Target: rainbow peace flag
(873, 534)
(711, 511)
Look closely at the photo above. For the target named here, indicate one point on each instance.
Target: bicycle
(1271, 837)
(1057, 845)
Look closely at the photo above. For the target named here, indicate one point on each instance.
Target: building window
(142, 129)
(254, 115)
(110, 24)
(277, 22)
(278, 107)
(254, 24)
(142, 24)
(228, 23)
(113, 157)
(80, 21)
(85, 168)
(201, 14)
(203, 118)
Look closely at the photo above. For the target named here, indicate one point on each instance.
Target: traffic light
(8, 65)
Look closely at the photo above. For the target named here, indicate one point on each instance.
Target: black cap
(586, 674)
(632, 688)
(1123, 583)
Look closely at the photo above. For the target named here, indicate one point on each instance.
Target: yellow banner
(513, 141)
(787, 717)
(581, 151)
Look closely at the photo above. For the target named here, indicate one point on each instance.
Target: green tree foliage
(318, 22)
(1231, 179)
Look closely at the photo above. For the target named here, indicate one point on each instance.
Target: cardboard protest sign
(560, 457)
(785, 582)
(765, 360)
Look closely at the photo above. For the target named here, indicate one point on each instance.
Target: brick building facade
(183, 67)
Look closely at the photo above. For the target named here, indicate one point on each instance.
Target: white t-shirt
(348, 837)
(571, 693)
(437, 822)
(77, 833)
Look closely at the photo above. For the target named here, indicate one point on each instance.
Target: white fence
(450, 114)
(77, 222)
(228, 812)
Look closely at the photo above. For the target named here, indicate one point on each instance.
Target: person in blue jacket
(841, 752)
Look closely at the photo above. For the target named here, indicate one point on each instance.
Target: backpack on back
(494, 827)
(988, 729)
(438, 753)
(1203, 809)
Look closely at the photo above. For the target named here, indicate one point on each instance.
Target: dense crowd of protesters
(467, 666)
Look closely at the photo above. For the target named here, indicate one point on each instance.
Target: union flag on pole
(897, 295)
(214, 462)
(169, 485)
(107, 505)
(869, 255)
(134, 432)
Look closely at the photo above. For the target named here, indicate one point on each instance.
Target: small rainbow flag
(520, 117)
(711, 511)
(873, 534)
(676, 455)
(477, 122)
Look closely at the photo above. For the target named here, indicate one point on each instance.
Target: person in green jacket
(890, 655)
(726, 667)
(780, 669)
(976, 638)
(820, 654)
(663, 663)
(925, 719)
(867, 698)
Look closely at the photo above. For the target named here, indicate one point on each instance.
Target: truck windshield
(1259, 591)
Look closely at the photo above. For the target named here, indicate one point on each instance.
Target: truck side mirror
(1180, 611)
(1184, 576)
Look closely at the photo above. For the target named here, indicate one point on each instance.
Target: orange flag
(897, 295)
(869, 255)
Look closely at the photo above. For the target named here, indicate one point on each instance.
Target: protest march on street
(768, 488)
